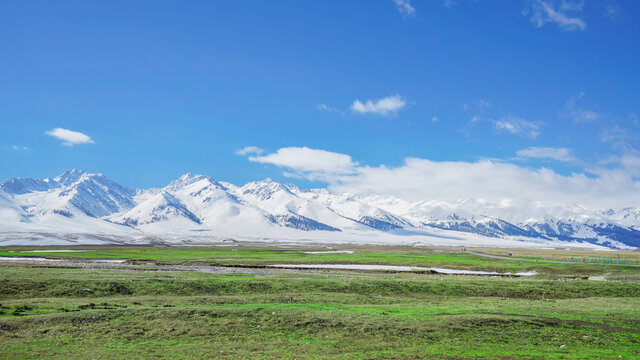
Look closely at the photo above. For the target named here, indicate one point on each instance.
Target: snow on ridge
(77, 199)
(161, 207)
(69, 177)
(19, 186)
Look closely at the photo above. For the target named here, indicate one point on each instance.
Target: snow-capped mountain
(71, 193)
(627, 216)
(162, 207)
(77, 202)
(293, 210)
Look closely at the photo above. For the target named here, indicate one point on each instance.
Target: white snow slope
(82, 208)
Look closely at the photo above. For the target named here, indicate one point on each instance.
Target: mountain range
(84, 208)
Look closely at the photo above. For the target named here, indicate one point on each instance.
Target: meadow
(62, 312)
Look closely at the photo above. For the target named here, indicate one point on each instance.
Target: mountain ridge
(93, 203)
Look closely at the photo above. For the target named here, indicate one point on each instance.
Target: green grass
(20, 282)
(251, 256)
(67, 313)
(276, 330)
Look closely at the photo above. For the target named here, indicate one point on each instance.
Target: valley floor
(62, 311)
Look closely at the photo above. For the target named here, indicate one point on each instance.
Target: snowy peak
(190, 179)
(73, 192)
(627, 216)
(349, 207)
(200, 190)
(69, 177)
(159, 208)
(266, 189)
(96, 195)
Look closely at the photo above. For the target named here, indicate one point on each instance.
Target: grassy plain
(64, 312)
(452, 258)
(556, 254)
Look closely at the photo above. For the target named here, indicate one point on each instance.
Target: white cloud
(517, 126)
(615, 135)
(19, 148)
(312, 164)
(586, 115)
(404, 8)
(69, 137)
(327, 108)
(480, 106)
(485, 112)
(577, 113)
(422, 179)
(249, 150)
(385, 106)
(576, 5)
(543, 12)
(484, 105)
(630, 161)
(622, 137)
(558, 154)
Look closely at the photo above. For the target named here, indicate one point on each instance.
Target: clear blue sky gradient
(167, 87)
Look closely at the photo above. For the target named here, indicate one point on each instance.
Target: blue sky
(162, 88)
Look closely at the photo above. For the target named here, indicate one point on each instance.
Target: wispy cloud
(404, 8)
(69, 137)
(449, 4)
(480, 106)
(309, 163)
(484, 112)
(327, 108)
(542, 12)
(517, 126)
(575, 5)
(622, 137)
(614, 134)
(550, 153)
(249, 150)
(18, 148)
(385, 106)
(630, 161)
(577, 113)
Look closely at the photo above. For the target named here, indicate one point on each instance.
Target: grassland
(452, 258)
(63, 312)
(555, 254)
